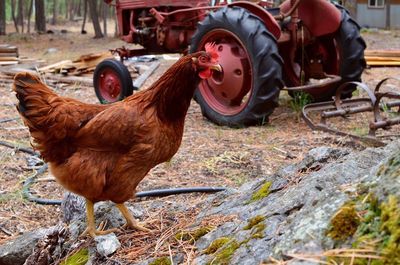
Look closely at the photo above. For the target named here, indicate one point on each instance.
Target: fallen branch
(19, 148)
(8, 119)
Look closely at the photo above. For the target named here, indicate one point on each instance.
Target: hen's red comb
(211, 48)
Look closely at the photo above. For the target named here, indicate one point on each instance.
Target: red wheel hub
(110, 85)
(227, 92)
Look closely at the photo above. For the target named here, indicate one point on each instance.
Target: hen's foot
(130, 221)
(136, 225)
(91, 227)
(93, 232)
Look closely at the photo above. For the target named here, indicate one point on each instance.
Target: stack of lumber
(8, 54)
(382, 57)
(83, 65)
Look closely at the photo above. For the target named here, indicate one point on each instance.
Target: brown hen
(102, 152)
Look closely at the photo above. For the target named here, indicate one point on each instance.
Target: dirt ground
(210, 155)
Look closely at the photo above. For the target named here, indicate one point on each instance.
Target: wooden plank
(376, 58)
(377, 63)
(85, 63)
(9, 59)
(54, 65)
(70, 79)
(382, 53)
(8, 49)
(8, 54)
(8, 63)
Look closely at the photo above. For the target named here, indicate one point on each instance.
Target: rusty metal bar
(338, 107)
(343, 112)
(333, 80)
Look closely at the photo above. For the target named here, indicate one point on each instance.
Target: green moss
(380, 228)
(258, 231)
(257, 226)
(344, 223)
(261, 193)
(79, 258)
(254, 221)
(161, 261)
(225, 253)
(390, 218)
(391, 168)
(216, 244)
(193, 236)
(223, 248)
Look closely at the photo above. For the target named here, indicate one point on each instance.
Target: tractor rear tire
(247, 91)
(353, 45)
(112, 81)
(350, 48)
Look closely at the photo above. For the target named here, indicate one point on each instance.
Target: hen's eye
(202, 59)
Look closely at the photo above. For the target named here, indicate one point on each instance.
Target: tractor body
(263, 49)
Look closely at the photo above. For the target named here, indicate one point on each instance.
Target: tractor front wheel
(247, 90)
(112, 81)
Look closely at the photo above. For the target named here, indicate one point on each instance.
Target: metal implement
(374, 103)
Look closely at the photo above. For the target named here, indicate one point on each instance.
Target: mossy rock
(261, 193)
(224, 254)
(161, 261)
(379, 227)
(194, 235)
(215, 245)
(256, 226)
(344, 223)
(254, 221)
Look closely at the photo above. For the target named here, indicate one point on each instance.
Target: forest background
(34, 15)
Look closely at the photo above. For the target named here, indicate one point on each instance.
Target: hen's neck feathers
(172, 92)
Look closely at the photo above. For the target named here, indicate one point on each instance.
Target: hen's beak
(216, 67)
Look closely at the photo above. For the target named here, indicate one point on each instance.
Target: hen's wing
(118, 128)
(52, 120)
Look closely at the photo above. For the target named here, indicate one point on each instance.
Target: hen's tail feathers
(33, 96)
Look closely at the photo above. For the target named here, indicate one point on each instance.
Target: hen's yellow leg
(91, 227)
(130, 221)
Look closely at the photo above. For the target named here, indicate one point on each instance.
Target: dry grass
(330, 257)
(162, 240)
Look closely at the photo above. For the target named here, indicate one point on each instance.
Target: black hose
(26, 189)
(26, 193)
(167, 192)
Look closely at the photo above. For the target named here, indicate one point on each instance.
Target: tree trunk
(78, 8)
(83, 31)
(40, 17)
(20, 14)
(2, 17)
(30, 15)
(61, 6)
(95, 19)
(55, 14)
(105, 11)
(66, 9)
(71, 10)
(13, 15)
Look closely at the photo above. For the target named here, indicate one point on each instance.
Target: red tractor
(303, 45)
